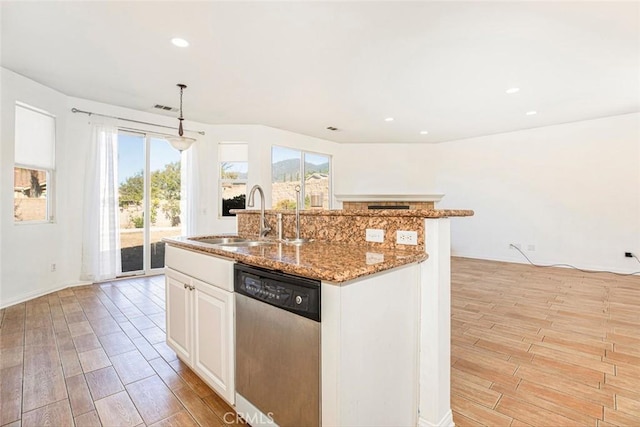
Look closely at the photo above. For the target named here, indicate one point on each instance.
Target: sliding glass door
(149, 200)
(131, 185)
(164, 166)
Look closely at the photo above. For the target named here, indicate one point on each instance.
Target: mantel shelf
(389, 197)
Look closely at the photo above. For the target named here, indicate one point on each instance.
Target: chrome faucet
(298, 240)
(264, 228)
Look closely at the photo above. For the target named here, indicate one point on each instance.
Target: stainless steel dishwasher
(277, 347)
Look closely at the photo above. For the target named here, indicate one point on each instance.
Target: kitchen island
(336, 263)
(385, 310)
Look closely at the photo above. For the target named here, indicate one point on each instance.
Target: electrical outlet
(407, 237)
(374, 235)
(531, 248)
(53, 267)
(628, 255)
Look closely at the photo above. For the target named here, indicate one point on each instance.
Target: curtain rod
(144, 132)
(90, 113)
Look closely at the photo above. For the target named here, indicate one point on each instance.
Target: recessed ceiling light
(177, 41)
(531, 113)
(388, 119)
(513, 90)
(424, 132)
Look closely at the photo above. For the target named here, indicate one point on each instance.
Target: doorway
(149, 188)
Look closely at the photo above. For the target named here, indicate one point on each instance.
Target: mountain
(290, 168)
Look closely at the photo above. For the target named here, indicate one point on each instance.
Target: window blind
(35, 135)
(233, 151)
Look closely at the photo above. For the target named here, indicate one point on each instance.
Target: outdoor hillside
(285, 169)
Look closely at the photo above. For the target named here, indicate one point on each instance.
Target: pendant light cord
(180, 131)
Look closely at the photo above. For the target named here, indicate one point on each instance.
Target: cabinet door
(179, 313)
(214, 343)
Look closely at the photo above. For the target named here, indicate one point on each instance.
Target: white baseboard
(39, 293)
(80, 283)
(446, 421)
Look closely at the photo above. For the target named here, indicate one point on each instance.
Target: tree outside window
(165, 194)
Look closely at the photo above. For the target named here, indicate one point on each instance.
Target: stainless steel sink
(221, 240)
(248, 243)
(233, 242)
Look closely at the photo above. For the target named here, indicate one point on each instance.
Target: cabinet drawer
(208, 268)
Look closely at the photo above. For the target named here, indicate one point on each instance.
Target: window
(234, 165)
(312, 171)
(35, 132)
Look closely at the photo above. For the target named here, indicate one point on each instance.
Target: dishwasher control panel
(298, 295)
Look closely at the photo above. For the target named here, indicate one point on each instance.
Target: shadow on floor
(132, 258)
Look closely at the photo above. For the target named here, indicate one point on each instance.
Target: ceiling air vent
(164, 107)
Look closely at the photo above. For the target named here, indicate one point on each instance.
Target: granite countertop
(331, 262)
(420, 213)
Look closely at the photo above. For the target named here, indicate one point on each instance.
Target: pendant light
(181, 142)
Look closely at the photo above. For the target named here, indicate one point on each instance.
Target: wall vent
(164, 107)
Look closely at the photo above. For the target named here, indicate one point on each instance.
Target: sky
(131, 155)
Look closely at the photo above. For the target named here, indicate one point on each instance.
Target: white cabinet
(179, 307)
(214, 355)
(200, 316)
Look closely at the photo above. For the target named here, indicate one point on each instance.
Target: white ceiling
(302, 66)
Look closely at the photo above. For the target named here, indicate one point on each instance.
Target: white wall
(385, 169)
(571, 190)
(27, 251)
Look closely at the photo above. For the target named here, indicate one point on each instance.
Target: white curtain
(101, 243)
(189, 201)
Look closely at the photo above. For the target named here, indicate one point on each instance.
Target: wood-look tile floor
(96, 355)
(530, 346)
(543, 346)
